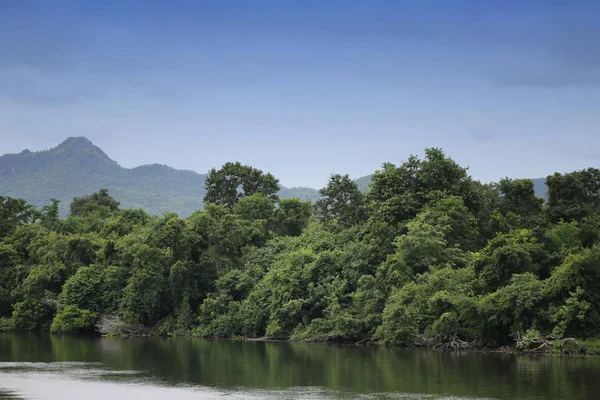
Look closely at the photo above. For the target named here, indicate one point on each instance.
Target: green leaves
(72, 319)
(14, 212)
(573, 196)
(234, 181)
(99, 202)
(427, 257)
(341, 202)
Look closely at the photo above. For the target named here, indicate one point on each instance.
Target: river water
(52, 367)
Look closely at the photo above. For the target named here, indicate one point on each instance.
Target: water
(66, 367)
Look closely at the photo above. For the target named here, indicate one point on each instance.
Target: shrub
(73, 319)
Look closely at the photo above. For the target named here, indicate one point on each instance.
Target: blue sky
(306, 88)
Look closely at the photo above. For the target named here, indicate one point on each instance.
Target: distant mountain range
(77, 167)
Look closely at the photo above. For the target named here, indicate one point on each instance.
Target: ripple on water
(76, 380)
(8, 395)
(71, 381)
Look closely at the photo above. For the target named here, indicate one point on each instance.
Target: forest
(428, 256)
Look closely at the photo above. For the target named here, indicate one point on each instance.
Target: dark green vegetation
(76, 167)
(428, 256)
(539, 185)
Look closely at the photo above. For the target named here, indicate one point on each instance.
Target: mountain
(363, 183)
(540, 188)
(77, 167)
(302, 193)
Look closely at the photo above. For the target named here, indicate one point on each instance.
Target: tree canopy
(428, 256)
(234, 181)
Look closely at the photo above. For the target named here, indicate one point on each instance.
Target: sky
(306, 88)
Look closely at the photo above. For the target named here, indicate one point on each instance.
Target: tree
(234, 181)
(399, 193)
(255, 207)
(341, 201)
(49, 217)
(291, 217)
(506, 255)
(171, 232)
(575, 284)
(433, 307)
(512, 309)
(8, 259)
(145, 298)
(438, 237)
(222, 236)
(73, 319)
(428, 257)
(86, 289)
(14, 212)
(573, 196)
(100, 201)
(519, 198)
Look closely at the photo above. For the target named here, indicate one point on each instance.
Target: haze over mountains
(77, 167)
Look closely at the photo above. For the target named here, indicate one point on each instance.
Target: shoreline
(506, 350)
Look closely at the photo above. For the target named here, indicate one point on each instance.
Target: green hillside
(77, 167)
(539, 186)
(363, 183)
(302, 193)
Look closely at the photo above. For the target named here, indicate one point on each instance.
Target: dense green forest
(427, 256)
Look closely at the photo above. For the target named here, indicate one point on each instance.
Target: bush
(6, 325)
(274, 331)
(591, 346)
(73, 319)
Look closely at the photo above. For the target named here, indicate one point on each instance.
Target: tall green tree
(14, 212)
(573, 196)
(234, 181)
(341, 202)
(291, 217)
(399, 193)
(519, 198)
(99, 201)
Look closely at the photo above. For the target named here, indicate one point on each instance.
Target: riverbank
(568, 346)
(540, 345)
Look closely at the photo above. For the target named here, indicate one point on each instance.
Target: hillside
(539, 185)
(77, 167)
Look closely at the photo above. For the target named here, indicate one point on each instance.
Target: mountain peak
(78, 142)
(78, 145)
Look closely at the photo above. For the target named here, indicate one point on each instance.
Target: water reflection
(5, 395)
(284, 370)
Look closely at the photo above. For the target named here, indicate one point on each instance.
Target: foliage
(427, 257)
(73, 319)
(341, 201)
(574, 196)
(76, 167)
(234, 181)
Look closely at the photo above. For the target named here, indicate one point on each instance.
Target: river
(52, 367)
